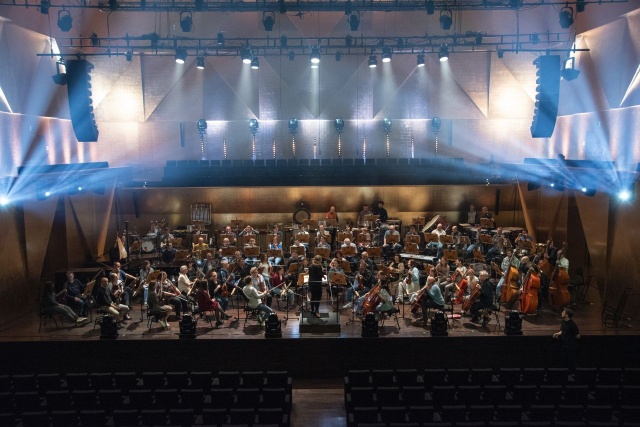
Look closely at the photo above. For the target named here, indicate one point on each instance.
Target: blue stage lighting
(624, 195)
(4, 201)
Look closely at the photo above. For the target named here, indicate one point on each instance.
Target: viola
(528, 303)
(559, 295)
(371, 300)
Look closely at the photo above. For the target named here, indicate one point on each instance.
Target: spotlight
(282, 7)
(273, 327)
(95, 41)
(220, 38)
(513, 323)
(202, 125)
(339, 125)
(283, 40)
(348, 41)
(186, 21)
(369, 326)
(580, 5)
(588, 191)
(338, 56)
(255, 63)
(292, 55)
(348, 7)
(430, 5)
(373, 61)
(293, 125)
(569, 71)
(566, 16)
(500, 53)
(386, 54)
(386, 124)
(200, 62)
(199, 4)
(624, 195)
(478, 38)
(246, 54)
(557, 185)
(534, 38)
(446, 19)
(443, 54)
(315, 56)
(187, 327)
(60, 77)
(436, 123)
(108, 328)
(420, 59)
(268, 19)
(439, 325)
(113, 5)
(4, 201)
(181, 55)
(44, 7)
(65, 21)
(129, 55)
(253, 126)
(354, 21)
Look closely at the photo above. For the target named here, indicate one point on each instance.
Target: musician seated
(168, 292)
(279, 287)
(413, 232)
(455, 235)
(251, 259)
(507, 261)
(302, 237)
(442, 271)
(347, 243)
(168, 253)
(229, 231)
(166, 236)
(248, 231)
(161, 312)
(524, 237)
(486, 296)
(525, 265)
(142, 278)
(184, 284)
(450, 286)
(254, 299)
(214, 286)
(432, 297)
(208, 264)
(200, 247)
(50, 305)
(391, 246)
(106, 301)
(361, 283)
(208, 306)
(498, 244)
(322, 243)
(322, 233)
(485, 214)
(292, 273)
(364, 239)
(301, 248)
(73, 296)
(275, 245)
(439, 231)
(120, 292)
(386, 300)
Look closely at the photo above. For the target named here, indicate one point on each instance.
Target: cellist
(486, 296)
(433, 298)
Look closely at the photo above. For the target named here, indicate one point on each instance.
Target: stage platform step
(328, 323)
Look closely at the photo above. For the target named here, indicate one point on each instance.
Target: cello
(559, 295)
(371, 300)
(475, 294)
(529, 298)
(461, 288)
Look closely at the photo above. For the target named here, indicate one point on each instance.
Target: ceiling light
(95, 40)
(255, 63)
(348, 40)
(354, 21)
(129, 55)
(181, 55)
(443, 54)
(268, 19)
(373, 61)
(283, 40)
(44, 7)
(253, 126)
(282, 7)
(315, 56)
(339, 124)
(386, 54)
(293, 125)
(4, 201)
(566, 16)
(220, 38)
(60, 77)
(500, 53)
(246, 54)
(113, 5)
(338, 56)
(200, 62)
(420, 59)
(446, 19)
(624, 195)
(386, 124)
(186, 21)
(292, 55)
(569, 72)
(65, 21)
(580, 5)
(348, 7)
(430, 6)
(534, 38)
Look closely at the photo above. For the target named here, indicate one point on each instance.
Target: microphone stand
(353, 302)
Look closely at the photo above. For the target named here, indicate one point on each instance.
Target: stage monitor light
(268, 19)
(283, 40)
(186, 21)
(386, 54)
(354, 21)
(282, 7)
(181, 55)
(439, 324)
(386, 124)
(65, 21)
(246, 54)
(44, 7)
(500, 53)
(430, 5)
(255, 63)
(292, 55)
(348, 41)
(273, 327)
(420, 60)
(369, 326)
(534, 38)
(129, 55)
(443, 54)
(187, 327)
(624, 195)
(254, 125)
(202, 125)
(200, 62)
(220, 38)
(446, 19)
(348, 7)
(373, 61)
(339, 125)
(108, 328)
(293, 125)
(95, 40)
(513, 323)
(315, 55)
(566, 17)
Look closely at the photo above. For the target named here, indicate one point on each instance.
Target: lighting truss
(304, 6)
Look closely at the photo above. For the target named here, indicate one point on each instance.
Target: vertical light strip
(388, 145)
(203, 154)
(339, 146)
(413, 153)
(315, 148)
(436, 144)
(364, 149)
(293, 145)
(224, 148)
(253, 146)
(274, 148)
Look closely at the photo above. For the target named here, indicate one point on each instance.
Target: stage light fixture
(246, 54)
(500, 53)
(436, 123)
(430, 5)
(113, 5)
(255, 63)
(4, 201)
(354, 21)
(186, 21)
(95, 40)
(580, 5)
(569, 72)
(129, 55)
(386, 124)
(339, 125)
(199, 4)
(386, 54)
(283, 40)
(292, 55)
(373, 61)
(338, 56)
(282, 7)
(201, 125)
(187, 327)
(443, 54)
(369, 326)
(479, 38)
(348, 41)
(513, 323)
(439, 325)
(254, 125)
(534, 38)
(446, 19)
(268, 19)
(315, 56)
(566, 16)
(420, 60)
(181, 55)
(348, 7)
(293, 125)
(200, 62)
(108, 328)
(624, 195)
(220, 38)
(273, 327)
(60, 77)
(65, 21)
(588, 191)
(44, 7)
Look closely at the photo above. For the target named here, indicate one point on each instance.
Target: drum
(433, 223)
(148, 245)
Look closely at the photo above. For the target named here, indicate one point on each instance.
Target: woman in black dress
(316, 273)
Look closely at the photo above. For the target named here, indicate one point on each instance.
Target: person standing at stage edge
(568, 335)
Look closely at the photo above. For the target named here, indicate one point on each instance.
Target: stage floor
(587, 316)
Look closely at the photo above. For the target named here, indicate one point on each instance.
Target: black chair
(177, 380)
(358, 378)
(509, 376)
(273, 416)
(570, 412)
(480, 413)
(610, 376)
(125, 417)
(214, 416)
(549, 394)
(201, 380)
(221, 398)
(576, 394)
(481, 376)
(47, 382)
(35, 418)
(405, 377)
(388, 396)
(509, 413)
(167, 398)
(277, 379)
(393, 414)
(276, 398)
(181, 417)
(153, 417)
(360, 397)
(96, 417)
(125, 380)
(382, 377)
(58, 399)
(443, 395)
(24, 382)
(77, 380)
(494, 394)
(5, 383)
(28, 401)
(524, 394)
(101, 380)
(433, 377)
(631, 376)
(110, 399)
(415, 396)
(453, 413)
(64, 418)
(44, 317)
(228, 379)
(557, 376)
(153, 380)
(247, 397)
(630, 394)
(361, 415)
(533, 376)
(541, 413)
(614, 314)
(470, 394)
(629, 414)
(242, 416)
(192, 398)
(457, 376)
(586, 376)
(421, 413)
(252, 379)
(599, 413)
(141, 398)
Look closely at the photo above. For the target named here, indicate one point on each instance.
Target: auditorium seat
(557, 376)
(453, 413)
(494, 394)
(153, 380)
(221, 398)
(242, 416)
(415, 396)
(421, 413)
(434, 377)
(247, 397)
(481, 413)
(60, 418)
(406, 377)
(382, 377)
(457, 376)
(192, 398)
(181, 417)
(549, 394)
(140, 398)
(166, 398)
(24, 382)
(388, 396)
(363, 414)
(542, 413)
(252, 379)
(177, 380)
(201, 380)
(35, 418)
(125, 380)
(481, 376)
(470, 394)
(153, 417)
(95, 417)
(45, 382)
(28, 401)
(228, 379)
(101, 380)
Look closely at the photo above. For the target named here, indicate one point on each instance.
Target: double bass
(528, 303)
(371, 300)
(559, 295)
(511, 288)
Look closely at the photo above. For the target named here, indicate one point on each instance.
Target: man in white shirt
(254, 298)
(439, 231)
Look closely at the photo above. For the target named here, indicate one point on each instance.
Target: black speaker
(80, 103)
(547, 96)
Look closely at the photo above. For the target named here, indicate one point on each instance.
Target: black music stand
(371, 219)
(345, 265)
(430, 237)
(275, 253)
(251, 251)
(487, 223)
(348, 251)
(311, 224)
(344, 235)
(229, 251)
(336, 279)
(392, 238)
(374, 252)
(411, 248)
(322, 251)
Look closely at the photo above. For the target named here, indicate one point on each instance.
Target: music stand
(322, 251)
(447, 238)
(375, 252)
(228, 251)
(429, 237)
(486, 239)
(392, 238)
(337, 279)
(345, 265)
(247, 237)
(301, 250)
(464, 240)
(274, 253)
(450, 254)
(418, 220)
(311, 224)
(412, 238)
(303, 237)
(182, 255)
(231, 237)
(251, 251)
(371, 218)
(343, 235)
(237, 223)
(487, 223)
(411, 248)
(525, 244)
(363, 239)
(348, 251)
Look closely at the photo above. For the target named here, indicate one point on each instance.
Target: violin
(528, 303)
